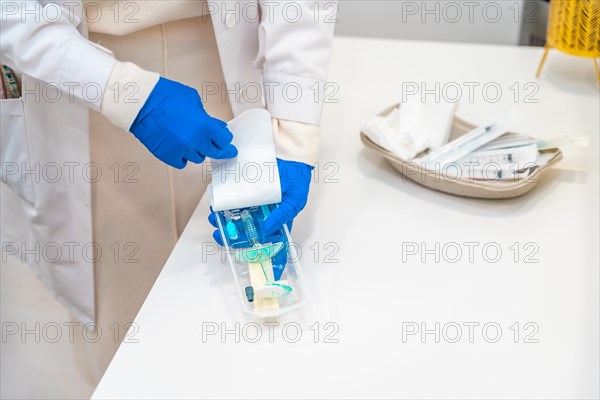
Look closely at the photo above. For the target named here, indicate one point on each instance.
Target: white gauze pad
(252, 178)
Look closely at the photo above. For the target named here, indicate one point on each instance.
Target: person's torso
(121, 17)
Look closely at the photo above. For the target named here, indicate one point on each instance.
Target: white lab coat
(46, 171)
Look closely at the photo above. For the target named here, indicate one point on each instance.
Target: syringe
(460, 147)
(253, 238)
(520, 141)
(250, 228)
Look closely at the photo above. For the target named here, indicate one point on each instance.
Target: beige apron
(140, 206)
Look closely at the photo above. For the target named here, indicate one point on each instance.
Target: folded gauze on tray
(412, 128)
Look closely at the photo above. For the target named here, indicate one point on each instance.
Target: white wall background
(482, 21)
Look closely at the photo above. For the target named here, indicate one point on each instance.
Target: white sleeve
(296, 141)
(295, 39)
(134, 84)
(42, 41)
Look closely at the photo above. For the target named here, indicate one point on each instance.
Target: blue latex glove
(295, 181)
(173, 125)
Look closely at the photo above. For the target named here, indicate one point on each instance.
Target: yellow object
(574, 28)
(258, 279)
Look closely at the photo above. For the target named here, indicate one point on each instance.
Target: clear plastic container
(266, 268)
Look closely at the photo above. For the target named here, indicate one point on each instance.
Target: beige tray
(463, 186)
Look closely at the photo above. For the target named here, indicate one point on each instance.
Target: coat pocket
(15, 168)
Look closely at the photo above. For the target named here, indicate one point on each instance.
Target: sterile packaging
(266, 268)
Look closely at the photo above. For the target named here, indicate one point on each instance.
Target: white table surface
(369, 297)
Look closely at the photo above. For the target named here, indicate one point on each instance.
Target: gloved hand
(173, 125)
(295, 180)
